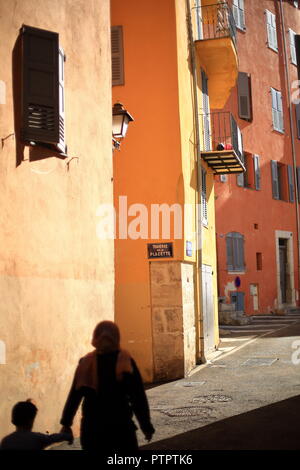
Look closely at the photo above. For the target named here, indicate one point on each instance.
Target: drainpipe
(199, 310)
(287, 78)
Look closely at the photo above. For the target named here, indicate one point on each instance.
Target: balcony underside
(223, 162)
(219, 58)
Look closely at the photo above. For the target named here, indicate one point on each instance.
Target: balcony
(222, 143)
(216, 50)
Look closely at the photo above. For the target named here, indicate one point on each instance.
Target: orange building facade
(257, 212)
(167, 306)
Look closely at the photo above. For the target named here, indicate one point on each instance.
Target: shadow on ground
(272, 427)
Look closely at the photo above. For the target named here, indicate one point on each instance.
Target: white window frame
(271, 30)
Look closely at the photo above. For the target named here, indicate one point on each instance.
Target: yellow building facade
(166, 284)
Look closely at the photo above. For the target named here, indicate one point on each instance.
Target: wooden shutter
(206, 109)
(292, 35)
(291, 183)
(239, 252)
(256, 172)
(297, 47)
(244, 96)
(61, 102)
(271, 30)
(241, 14)
(40, 90)
(117, 55)
(297, 109)
(229, 251)
(235, 11)
(204, 198)
(240, 180)
(298, 182)
(275, 179)
(277, 112)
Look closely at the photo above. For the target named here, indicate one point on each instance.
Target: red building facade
(257, 213)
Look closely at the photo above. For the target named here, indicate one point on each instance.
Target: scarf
(86, 374)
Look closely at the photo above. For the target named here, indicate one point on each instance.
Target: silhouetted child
(23, 415)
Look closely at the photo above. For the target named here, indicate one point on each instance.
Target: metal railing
(215, 21)
(221, 132)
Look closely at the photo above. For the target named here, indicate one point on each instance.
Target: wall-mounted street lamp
(121, 120)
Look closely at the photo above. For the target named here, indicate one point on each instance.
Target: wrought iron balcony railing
(215, 21)
(222, 143)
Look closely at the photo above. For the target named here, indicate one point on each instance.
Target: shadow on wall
(272, 427)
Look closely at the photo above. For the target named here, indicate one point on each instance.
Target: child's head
(23, 414)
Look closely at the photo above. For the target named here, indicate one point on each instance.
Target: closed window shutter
(256, 172)
(277, 113)
(240, 253)
(238, 11)
(61, 105)
(291, 183)
(235, 251)
(241, 14)
(204, 198)
(275, 180)
(297, 108)
(40, 86)
(297, 47)
(244, 96)
(229, 252)
(235, 11)
(271, 30)
(298, 183)
(292, 35)
(117, 55)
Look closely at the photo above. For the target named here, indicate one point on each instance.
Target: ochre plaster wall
(56, 276)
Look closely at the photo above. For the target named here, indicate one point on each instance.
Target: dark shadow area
(17, 98)
(272, 427)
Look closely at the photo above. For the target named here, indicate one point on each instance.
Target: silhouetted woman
(112, 390)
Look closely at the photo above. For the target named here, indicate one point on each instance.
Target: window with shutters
(238, 10)
(277, 111)
(204, 198)
(117, 55)
(271, 30)
(297, 110)
(235, 251)
(292, 36)
(244, 96)
(43, 103)
(251, 177)
(290, 183)
(282, 182)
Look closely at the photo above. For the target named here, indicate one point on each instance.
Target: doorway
(283, 261)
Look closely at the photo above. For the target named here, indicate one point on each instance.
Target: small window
(235, 251)
(43, 108)
(258, 261)
(271, 30)
(277, 111)
(244, 96)
(297, 110)
(117, 55)
(292, 36)
(238, 10)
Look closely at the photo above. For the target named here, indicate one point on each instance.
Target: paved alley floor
(247, 396)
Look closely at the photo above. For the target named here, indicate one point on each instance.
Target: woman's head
(106, 337)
